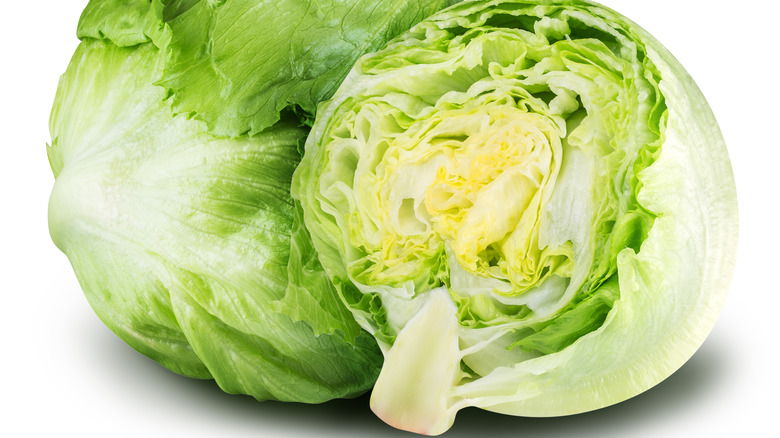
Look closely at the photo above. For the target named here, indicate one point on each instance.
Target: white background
(64, 372)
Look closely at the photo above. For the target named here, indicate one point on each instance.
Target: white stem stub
(412, 391)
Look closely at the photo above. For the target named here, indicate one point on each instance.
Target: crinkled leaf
(124, 22)
(237, 64)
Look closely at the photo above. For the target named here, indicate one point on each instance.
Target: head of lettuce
(529, 205)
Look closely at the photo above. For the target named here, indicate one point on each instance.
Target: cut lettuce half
(528, 203)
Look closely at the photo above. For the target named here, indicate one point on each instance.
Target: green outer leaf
(285, 360)
(126, 294)
(305, 50)
(310, 296)
(181, 239)
(124, 22)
